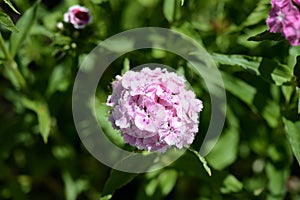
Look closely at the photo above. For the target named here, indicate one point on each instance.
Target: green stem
(4, 49)
(202, 159)
(12, 64)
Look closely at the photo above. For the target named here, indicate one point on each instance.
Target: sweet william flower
(284, 17)
(292, 30)
(297, 2)
(79, 16)
(153, 110)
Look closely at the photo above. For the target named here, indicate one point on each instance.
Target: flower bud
(79, 16)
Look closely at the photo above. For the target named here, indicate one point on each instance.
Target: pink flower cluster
(153, 110)
(285, 17)
(79, 16)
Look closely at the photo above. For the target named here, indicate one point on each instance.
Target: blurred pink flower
(297, 2)
(79, 16)
(292, 29)
(284, 17)
(153, 110)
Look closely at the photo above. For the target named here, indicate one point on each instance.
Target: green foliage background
(42, 157)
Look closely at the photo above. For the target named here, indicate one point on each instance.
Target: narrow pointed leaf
(266, 35)
(24, 25)
(7, 23)
(169, 9)
(8, 2)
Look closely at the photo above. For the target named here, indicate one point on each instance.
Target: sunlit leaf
(8, 2)
(276, 181)
(259, 14)
(169, 9)
(163, 182)
(231, 185)
(293, 134)
(272, 71)
(103, 118)
(40, 107)
(287, 92)
(7, 23)
(126, 66)
(73, 187)
(106, 197)
(294, 52)
(167, 181)
(269, 70)
(151, 187)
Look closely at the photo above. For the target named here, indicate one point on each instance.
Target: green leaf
(151, 187)
(73, 187)
(231, 185)
(277, 179)
(60, 77)
(224, 153)
(169, 9)
(106, 197)
(287, 91)
(259, 14)
(297, 71)
(298, 93)
(293, 134)
(246, 62)
(126, 66)
(11, 6)
(294, 52)
(249, 95)
(116, 180)
(158, 53)
(99, 1)
(272, 71)
(167, 180)
(103, 119)
(40, 107)
(163, 183)
(7, 23)
(24, 25)
(269, 70)
(266, 35)
(119, 45)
